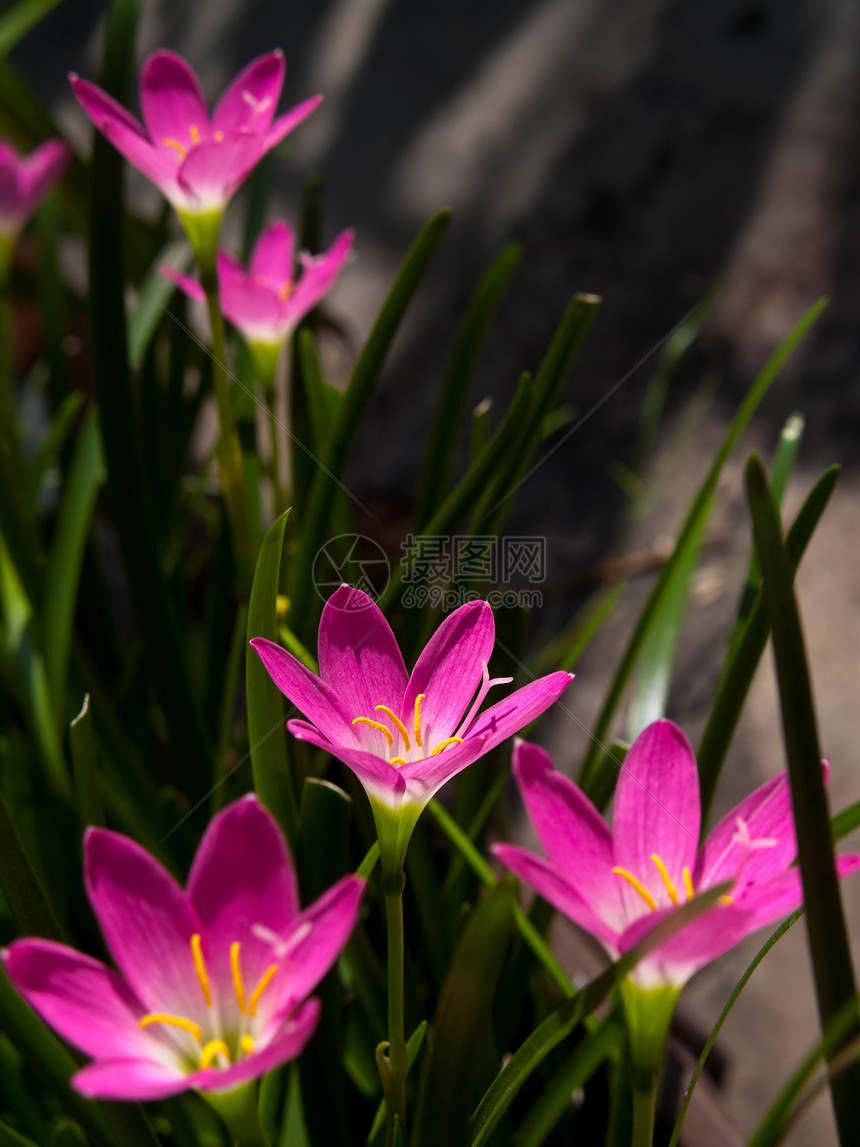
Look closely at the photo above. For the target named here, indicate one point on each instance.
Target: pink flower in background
(197, 162)
(618, 884)
(266, 303)
(26, 180)
(213, 981)
(402, 735)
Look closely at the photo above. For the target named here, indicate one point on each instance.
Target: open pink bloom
(402, 735)
(26, 180)
(266, 303)
(213, 981)
(618, 884)
(197, 162)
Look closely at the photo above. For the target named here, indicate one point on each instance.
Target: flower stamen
(486, 685)
(667, 880)
(235, 968)
(210, 1050)
(688, 883)
(246, 1043)
(174, 1021)
(640, 888)
(265, 980)
(194, 133)
(401, 760)
(180, 150)
(378, 725)
(200, 967)
(283, 294)
(444, 745)
(392, 716)
(418, 701)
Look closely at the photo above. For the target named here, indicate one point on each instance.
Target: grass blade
(698, 510)
(18, 21)
(83, 752)
(828, 939)
(21, 885)
(152, 299)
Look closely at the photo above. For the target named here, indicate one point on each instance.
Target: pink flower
(617, 884)
(212, 983)
(402, 735)
(266, 303)
(197, 162)
(26, 180)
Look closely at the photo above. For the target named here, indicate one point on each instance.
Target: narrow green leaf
(455, 386)
(699, 509)
(153, 297)
(61, 427)
(564, 1019)
(463, 1058)
(61, 589)
(828, 939)
(355, 399)
(413, 1047)
(10, 1138)
(578, 1067)
(16, 22)
(265, 706)
(84, 769)
(21, 885)
(741, 664)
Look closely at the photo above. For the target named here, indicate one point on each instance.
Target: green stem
(644, 1110)
(648, 1012)
(7, 380)
(228, 450)
(394, 1072)
(238, 1109)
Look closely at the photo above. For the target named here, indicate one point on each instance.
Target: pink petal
(319, 274)
(251, 100)
(273, 254)
(518, 709)
(777, 897)
(132, 1079)
(253, 308)
(242, 876)
(545, 879)
(310, 695)
(86, 1003)
(147, 921)
(212, 172)
(449, 671)
(286, 1045)
(767, 816)
(382, 781)
(572, 832)
(189, 285)
(128, 137)
(657, 811)
(325, 927)
(290, 120)
(425, 778)
(42, 168)
(171, 101)
(361, 662)
(12, 207)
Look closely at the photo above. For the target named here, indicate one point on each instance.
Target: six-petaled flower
(25, 180)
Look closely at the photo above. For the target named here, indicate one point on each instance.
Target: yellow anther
(210, 1050)
(265, 980)
(396, 722)
(726, 900)
(283, 294)
(376, 725)
(200, 967)
(688, 883)
(640, 888)
(194, 133)
(667, 879)
(418, 701)
(246, 1044)
(219, 135)
(174, 1021)
(238, 986)
(444, 745)
(176, 145)
(398, 761)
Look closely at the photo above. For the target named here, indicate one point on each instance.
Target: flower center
(216, 1052)
(180, 148)
(667, 881)
(403, 733)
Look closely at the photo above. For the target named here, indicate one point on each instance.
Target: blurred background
(653, 152)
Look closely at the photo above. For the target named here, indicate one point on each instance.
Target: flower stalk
(393, 1067)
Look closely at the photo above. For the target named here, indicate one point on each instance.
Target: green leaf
(455, 386)
(463, 1059)
(413, 1047)
(16, 22)
(84, 769)
(314, 519)
(564, 1019)
(10, 1138)
(741, 663)
(21, 885)
(699, 510)
(153, 297)
(265, 706)
(564, 651)
(61, 590)
(828, 939)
